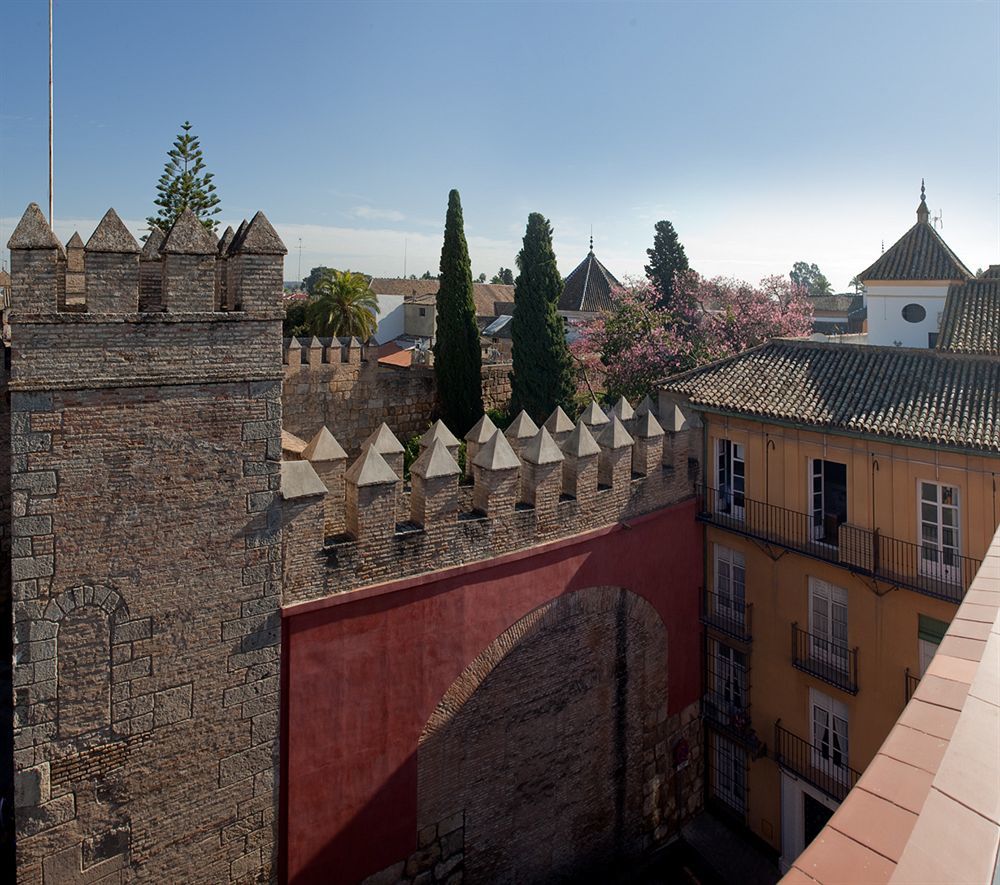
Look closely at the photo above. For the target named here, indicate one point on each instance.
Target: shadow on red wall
(362, 672)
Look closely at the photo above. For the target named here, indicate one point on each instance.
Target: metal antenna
(50, 113)
(938, 220)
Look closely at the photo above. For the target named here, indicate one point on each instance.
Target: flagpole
(50, 113)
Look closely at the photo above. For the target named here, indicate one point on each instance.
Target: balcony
(912, 680)
(923, 568)
(833, 663)
(820, 766)
(727, 615)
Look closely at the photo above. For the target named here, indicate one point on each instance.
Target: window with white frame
(939, 532)
(828, 624)
(930, 632)
(730, 475)
(829, 731)
(730, 679)
(730, 585)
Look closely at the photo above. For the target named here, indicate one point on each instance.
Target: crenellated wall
(338, 383)
(144, 464)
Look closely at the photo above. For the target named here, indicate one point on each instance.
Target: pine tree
(543, 375)
(457, 351)
(666, 259)
(182, 186)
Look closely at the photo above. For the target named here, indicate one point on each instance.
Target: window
(423, 311)
(829, 731)
(932, 338)
(730, 586)
(939, 532)
(828, 624)
(828, 499)
(730, 680)
(914, 313)
(930, 632)
(731, 477)
(730, 775)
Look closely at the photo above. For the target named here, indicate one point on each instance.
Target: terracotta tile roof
(908, 394)
(486, 295)
(843, 302)
(920, 254)
(588, 287)
(971, 321)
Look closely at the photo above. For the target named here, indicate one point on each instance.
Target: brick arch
(535, 762)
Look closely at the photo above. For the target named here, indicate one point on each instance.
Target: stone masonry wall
(353, 398)
(6, 689)
(145, 556)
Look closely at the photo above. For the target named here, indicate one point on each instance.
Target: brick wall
(353, 398)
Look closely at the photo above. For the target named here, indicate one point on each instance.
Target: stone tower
(141, 452)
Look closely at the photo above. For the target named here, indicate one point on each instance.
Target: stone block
(172, 705)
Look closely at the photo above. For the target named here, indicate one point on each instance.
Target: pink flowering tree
(632, 346)
(636, 343)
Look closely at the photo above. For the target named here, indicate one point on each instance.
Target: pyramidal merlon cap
(481, 432)
(646, 405)
(370, 470)
(615, 436)
(33, 231)
(324, 447)
(383, 441)
(111, 235)
(188, 236)
(439, 431)
(260, 238)
(75, 241)
(581, 442)
(154, 243)
(226, 241)
(300, 480)
(522, 427)
(497, 454)
(623, 409)
(542, 449)
(435, 461)
(559, 422)
(647, 427)
(593, 415)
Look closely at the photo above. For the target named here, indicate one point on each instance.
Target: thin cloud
(369, 213)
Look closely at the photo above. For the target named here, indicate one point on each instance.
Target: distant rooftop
(971, 321)
(917, 395)
(588, 287)
(487, 296)
(920, 254)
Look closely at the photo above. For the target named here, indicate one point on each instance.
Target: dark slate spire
(33, 232)
(111, 235)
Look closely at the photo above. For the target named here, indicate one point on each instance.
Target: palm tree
(343, 306)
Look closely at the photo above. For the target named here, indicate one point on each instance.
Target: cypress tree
(457, 353)
(666, 258)
(543, 375)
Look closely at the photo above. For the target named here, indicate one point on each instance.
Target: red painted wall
(363, 672)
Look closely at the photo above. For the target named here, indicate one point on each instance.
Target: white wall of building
(390, 318)
(886, 323)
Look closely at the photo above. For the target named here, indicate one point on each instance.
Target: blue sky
(766, 132)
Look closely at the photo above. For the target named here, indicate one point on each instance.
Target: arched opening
(84, 673)
(544, 747)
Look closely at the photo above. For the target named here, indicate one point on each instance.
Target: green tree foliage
(315, 275)
(183, 186)
(504, 276)
(344, 306)
(543, 375)
(811, 278)
(457, 352)
(481, 278)
(295, 322)
(427, 275)
(666, 259)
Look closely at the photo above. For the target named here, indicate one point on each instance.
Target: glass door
(731, 477)
(939, 532)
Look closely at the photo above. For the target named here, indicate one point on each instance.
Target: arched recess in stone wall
(86, 623)
(535, 765)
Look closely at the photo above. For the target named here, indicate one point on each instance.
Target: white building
(907, 287)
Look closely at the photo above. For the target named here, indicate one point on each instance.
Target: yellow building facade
(834, 562)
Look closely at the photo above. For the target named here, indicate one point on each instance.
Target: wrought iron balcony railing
(730, 616)
(830, 661)
(821, 765)
(926, 568)
(912, 680)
